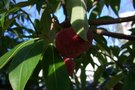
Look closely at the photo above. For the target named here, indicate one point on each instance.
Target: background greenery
(27, 51)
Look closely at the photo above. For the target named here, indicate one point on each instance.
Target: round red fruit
(69, 44)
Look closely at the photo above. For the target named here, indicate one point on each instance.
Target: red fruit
(69, 44)
(70, 65)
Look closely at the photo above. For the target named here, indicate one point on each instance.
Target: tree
(26, 52)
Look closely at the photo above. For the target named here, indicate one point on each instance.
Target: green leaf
(13, 9)
(83, 77)
(54, 5)
(2, 19)
(114, 80)
(77, 13)
(8, 23)
(129, 81)
(98, 73)
(77, 83)
(102, 59)
(115, 50)
(19, 6)
(115, 4)
(25, 3)
(39, 5)
(100, 6)
(45, 23)
(122, 59)
(7, 3)
(24, 63)
(94, 13)
(89, 5)
(107, 2)
(88, 58)
(9, 55)
(54, 70)
(4, 15)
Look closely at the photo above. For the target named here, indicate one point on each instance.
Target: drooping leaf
(77, 83)
(98, 73)
(83, 78)
(129, 81)
(8, 23)
(89, 5)
(7, 56)
(45, 22)
(88, 59)
(102, 59)
(107, 2)
(19, 6)
(7, 3)
(122, 59)
(114, 80)
(55, 73)
(4, 15)
(76, 10)
(24, 3)
(115, 50)
(100, 6)
(94, 13)
(54, 5)
(2, 19)
(39, 5)
(24, 63)
(115, 4)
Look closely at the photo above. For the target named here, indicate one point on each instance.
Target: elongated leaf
(54, 5)
(100, 6)
(8, 23)
(114, 80)
(7, 3)
(24, 64)
(7, 56)
(129, 81)
(98, 73)
(55, 73)
(45, 22)
(2, 17)
(77, 12)
(115, 4)
(83, 77)
(39, 5)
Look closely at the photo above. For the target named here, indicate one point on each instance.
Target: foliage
(24, 56)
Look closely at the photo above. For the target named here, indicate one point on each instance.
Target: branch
(115, 35)
(111, 21)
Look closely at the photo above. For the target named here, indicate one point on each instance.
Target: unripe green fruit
(69, 44)
(70, 65)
